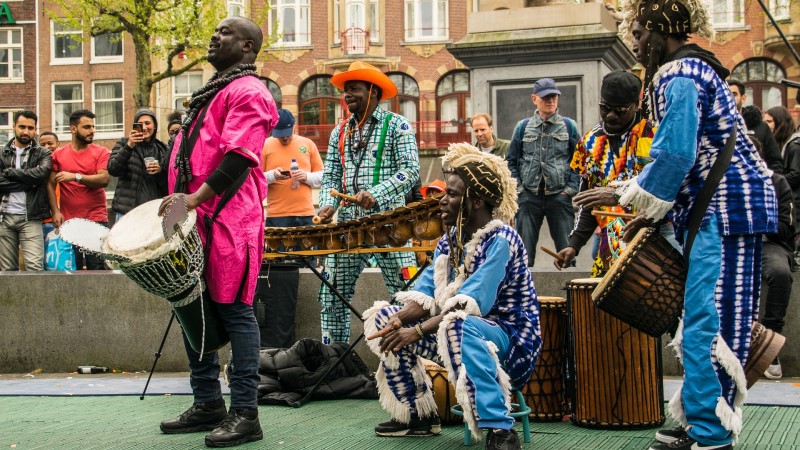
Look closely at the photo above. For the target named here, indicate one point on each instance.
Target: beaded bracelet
(419, 330)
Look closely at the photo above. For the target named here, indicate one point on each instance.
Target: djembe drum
(617, 368)
(443, 393)
(545, 392)
(169, 268)
(645, 285)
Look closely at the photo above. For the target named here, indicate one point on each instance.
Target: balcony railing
(355, 41)
(428, 133)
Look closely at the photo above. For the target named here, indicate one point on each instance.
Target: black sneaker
(502, 440)
(199, 417)
(687, 443)
(671, 435)
(239, 427)
(429, 426)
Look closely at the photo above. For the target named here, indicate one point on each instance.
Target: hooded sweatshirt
(135, 186)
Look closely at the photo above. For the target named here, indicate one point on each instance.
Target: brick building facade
(317, 39)
(81, 72)
(18, 44)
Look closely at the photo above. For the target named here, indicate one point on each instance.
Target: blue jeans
(289, 221)
(533, 209)
(240, 322)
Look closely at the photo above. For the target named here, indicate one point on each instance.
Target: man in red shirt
(80, 170)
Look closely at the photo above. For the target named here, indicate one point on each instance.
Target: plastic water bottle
(294, 167)
(326, 337)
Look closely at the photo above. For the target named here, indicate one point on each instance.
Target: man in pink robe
(235, 113)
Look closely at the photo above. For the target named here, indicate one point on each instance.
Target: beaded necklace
(199, 99)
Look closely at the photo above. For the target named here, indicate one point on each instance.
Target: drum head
(88, 236)
(552, 302)
(140, 230)
(611, 277)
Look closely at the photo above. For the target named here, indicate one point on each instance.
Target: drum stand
(352, 346)
(158, 353)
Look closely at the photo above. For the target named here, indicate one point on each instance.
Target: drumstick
(552, 253)
(350, 198)
(613, 214)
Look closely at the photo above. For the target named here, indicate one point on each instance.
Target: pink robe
(240, 118)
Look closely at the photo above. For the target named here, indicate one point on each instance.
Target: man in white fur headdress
(474, 310)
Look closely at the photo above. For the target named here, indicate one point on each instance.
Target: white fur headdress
(463, 154)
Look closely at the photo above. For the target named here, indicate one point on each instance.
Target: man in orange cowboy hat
(373, 156)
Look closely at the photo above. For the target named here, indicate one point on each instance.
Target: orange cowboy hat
(362, 71)
(434, 187)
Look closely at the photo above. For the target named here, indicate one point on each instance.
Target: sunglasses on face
(618, 110)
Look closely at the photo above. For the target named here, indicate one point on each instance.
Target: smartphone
(137, 126)
(286, 173)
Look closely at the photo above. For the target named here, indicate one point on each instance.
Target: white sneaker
(774, 371)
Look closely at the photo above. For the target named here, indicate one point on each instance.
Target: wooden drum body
(545, 393)
(443, 393)
(645, 286)
(616, 368)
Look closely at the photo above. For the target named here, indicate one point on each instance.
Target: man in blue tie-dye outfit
(474, 310)
(688, 98)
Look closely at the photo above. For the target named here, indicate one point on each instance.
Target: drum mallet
(597, 212)
(552, 253)
(349, 198)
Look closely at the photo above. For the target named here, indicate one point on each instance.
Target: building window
(182, 87)
(67, 97)
(406, 103)
(426, 20)
(779, 9)
(66, 44)
(275, 90)
(356, 17)
(319, 109)
(289, 21)
(727, 13)
(761, 78)
(108, 106)
(11, 54)
(107, 47)
(235, 8)
(453, 107)
(6, 127)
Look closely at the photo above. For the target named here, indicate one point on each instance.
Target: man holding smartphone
(289, 202)
(136, 160)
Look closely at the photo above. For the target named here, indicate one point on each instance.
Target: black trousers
(777, 275)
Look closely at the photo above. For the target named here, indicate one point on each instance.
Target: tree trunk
(144, 75)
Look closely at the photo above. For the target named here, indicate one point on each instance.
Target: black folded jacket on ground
(287, 375)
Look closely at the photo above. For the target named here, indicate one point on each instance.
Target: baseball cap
(285, 126)
(544, 87)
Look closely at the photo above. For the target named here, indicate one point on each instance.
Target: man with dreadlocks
(373, 156)
(226, 125)
(474, 310)
(688, 98)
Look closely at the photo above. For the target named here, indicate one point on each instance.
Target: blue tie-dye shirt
(695, 113)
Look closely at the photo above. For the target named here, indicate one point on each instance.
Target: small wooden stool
(519, 410)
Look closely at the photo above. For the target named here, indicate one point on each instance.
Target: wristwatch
(78, 177)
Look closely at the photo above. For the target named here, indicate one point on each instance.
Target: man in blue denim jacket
(539, 156)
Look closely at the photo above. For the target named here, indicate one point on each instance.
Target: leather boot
(239, 427)
(199, 417)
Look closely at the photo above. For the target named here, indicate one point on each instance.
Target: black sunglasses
(618, 110)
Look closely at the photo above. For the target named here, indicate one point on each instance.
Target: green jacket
(500, 147)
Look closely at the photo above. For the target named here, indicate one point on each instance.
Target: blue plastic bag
(60, 254)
